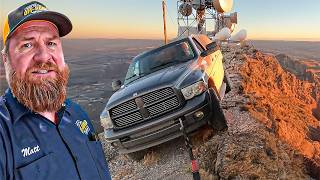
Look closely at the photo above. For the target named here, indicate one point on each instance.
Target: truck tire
(227, 80)
(218, 122)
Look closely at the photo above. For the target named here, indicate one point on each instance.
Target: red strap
(194, 166)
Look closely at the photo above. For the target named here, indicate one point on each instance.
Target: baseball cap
(35, 11)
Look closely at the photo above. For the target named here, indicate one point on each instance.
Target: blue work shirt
(34, 148)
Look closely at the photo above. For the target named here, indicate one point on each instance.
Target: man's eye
(52, 44)
(27, 45)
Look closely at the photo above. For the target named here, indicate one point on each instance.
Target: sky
(142, 19)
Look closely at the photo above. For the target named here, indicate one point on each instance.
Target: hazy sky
(263, 19)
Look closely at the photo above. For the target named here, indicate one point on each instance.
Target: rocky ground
(249, 149)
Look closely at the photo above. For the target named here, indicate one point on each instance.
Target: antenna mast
(164, 12)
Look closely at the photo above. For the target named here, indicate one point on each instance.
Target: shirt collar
(18, 110)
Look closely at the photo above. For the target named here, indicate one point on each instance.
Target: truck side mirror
(211, 48)
(212, 45)
(116, 85)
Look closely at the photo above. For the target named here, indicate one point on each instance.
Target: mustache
(48, 66)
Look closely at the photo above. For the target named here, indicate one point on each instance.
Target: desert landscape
(299, 49)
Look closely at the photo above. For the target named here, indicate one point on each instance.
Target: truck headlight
(105, 119)
(194, 90)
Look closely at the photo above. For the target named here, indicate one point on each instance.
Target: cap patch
(33, 8)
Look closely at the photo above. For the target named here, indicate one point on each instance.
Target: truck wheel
(218, 122)
(138, 155)
(227, 80)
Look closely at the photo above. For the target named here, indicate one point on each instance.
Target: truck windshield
(163, 57)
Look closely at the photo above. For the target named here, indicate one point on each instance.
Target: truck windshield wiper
(135, 75)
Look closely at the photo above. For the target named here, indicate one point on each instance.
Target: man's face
(36, 42)
(185, 48)
(35, 67)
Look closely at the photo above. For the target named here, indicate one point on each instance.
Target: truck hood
(162, 78)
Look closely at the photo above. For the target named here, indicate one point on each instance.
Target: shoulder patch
(83, 126)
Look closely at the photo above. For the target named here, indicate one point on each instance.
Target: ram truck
(184, 79)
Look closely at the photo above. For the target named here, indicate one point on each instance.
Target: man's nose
(42, 54)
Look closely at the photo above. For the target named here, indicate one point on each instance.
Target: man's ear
(4, 57)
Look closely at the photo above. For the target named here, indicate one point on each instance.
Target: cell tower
(206, 17)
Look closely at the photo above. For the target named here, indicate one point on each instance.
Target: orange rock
(281, 101)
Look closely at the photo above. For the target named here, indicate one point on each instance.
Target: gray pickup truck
(184, 79)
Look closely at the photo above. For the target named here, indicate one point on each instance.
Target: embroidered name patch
(83, 126)
(29, 151)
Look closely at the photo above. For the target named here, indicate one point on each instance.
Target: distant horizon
(289, 40)
(150, 39)
(293, 40)
(127, 19)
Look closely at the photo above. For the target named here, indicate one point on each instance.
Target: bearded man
(43, 135)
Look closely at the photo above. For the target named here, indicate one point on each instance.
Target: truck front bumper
(164, 128)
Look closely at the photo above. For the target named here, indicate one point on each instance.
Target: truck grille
(163, 106)
(154, 104)
(124, 107)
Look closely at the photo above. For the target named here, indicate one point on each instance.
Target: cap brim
(62, 22)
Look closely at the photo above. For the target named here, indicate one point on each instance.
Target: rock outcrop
(285, 104)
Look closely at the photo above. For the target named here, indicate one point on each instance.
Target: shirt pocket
(40, 169)
(97, 153)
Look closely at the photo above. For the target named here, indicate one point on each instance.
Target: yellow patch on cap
(6, 31)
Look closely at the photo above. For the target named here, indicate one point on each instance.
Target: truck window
(157, 59)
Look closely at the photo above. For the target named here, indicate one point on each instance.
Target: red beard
(41, 94)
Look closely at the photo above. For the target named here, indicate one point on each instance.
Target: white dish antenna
(223, 5)
(240, 36)
(223, 34)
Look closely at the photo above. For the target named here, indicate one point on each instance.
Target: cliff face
(285, 104)
(308, 70)
(273, 131)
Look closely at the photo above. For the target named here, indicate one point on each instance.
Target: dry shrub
(203, 135)
(150, 158)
